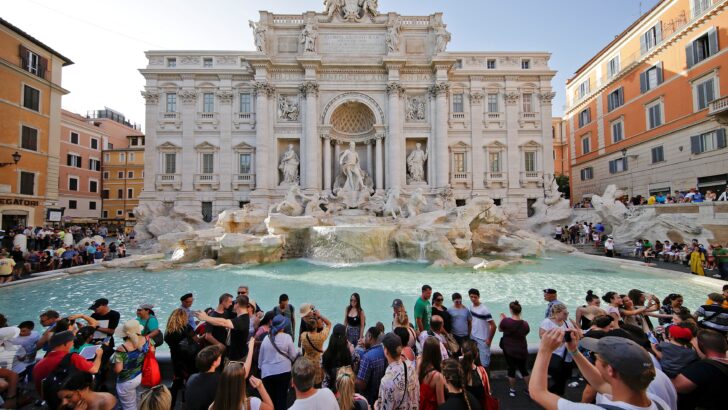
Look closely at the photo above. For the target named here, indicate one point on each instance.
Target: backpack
(51, 385)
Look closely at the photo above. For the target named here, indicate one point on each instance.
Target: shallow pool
(329, 288)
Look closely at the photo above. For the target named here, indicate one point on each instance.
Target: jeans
(484, 351)
(723, 270)
(128, 393)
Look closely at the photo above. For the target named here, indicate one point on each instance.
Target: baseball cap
(550, 291)
(624, 355)
(61, 338)
(99, 302)
(680, 333)
(397, 303)
(146, 306)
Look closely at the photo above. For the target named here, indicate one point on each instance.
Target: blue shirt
(460, 319)
(371, 370)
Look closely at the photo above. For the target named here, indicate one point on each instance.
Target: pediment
(243, 146)
(460, 145)
(496, 145)
(205, 146)
(531, 144)
(168, 146)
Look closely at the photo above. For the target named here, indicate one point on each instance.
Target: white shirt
(481, 319)
(607, 399)
(549, 324)
(609, 245)
(723, 196)
(424, 335)
(322, 400)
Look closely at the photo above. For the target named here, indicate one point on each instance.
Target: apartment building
(562, 166)
(30, 127)
(123, 182)
(646, 112)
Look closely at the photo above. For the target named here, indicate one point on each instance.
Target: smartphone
(567, 337)
(106, 339)
(652, 338)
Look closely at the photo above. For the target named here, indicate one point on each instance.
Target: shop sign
(18, 201)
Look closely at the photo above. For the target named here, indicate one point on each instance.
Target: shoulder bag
(490, 402)
(151, 375)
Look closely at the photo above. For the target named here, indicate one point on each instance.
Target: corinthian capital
(152, 97)
(441, 88)
(396, 88)
(263, 88)
(547, 97)
(309, 88)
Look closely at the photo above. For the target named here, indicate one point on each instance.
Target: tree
(563, 182)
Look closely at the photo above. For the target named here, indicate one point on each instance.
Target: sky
(106, 39)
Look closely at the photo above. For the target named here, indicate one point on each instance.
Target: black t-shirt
(200, 390)
(446, 317)
(711, 392)
(218, 332)
(238, 348)
(109, 320)
(457, 402)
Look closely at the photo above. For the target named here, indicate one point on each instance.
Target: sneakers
(512, 392)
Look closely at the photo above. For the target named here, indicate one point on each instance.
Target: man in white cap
(609, 247)
(622, 372)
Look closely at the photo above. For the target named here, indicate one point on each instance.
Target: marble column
(225, 160)
(327, 163)
(311, 142)
(380, 165)
(370, 169)
(263, 90)
(395, 150)
(152, 157)
(337, 153)
(548, 143)
(477, 154)
(513, 153)
(442, 160)
(187, 165)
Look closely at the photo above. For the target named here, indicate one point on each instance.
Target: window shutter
(610, 102)
(709, 90)
(654, 155)
(689, 56)
(643, 43)
(720, 136)
(68, 159)
(621, 96)
(695, 144)
(659, 73)
(612, 167)
(42, 67)
(23, 57)
(588, 115)
(713, 41)
(624, 164)
(643, 82)
(658, 32)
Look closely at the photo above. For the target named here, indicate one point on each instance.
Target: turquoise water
(329, 288)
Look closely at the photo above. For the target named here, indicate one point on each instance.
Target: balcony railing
(206, 180)
(530, 177)
(169, 115)
(495, 176)
(493, 115)
(206, 115)
(460, 178)
(169, 180)
(718, 106)
(240, 180)
(457, 116)
(529, 115)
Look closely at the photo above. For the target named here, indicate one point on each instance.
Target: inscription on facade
(352, 43)
(352, 77)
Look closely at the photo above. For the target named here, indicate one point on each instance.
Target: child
(677, 352)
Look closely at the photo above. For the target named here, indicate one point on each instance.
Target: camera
(567, 337)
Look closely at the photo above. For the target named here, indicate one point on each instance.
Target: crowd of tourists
(634, 350)
(26, 249)
(693, 195)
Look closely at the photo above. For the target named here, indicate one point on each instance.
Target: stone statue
(258, 35)
(416, 164)
(308, 38)
(288, 108)
(289, 166)
(393, 37)
(313, 204)
(443, 37)
(370, 7)
(416, 204)
(292, 204)
(392, 204)
(349, 163)
(332, 6)
(415, 109)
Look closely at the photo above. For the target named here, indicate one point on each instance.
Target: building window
(459, 162)
(107, 157)
(586, 144)
(119, 194)
(700, 6)
(72, 204)
(171, 62)
(94, 164)
(493, 102)
(584, 88)
(104, 214)
(207, 62)
(134, 141)
(106, 175)
(654, 114)
(651, 78)
(29, 138)
(27, 183)
(494, 159)
(207, 163)
(658, 154)
(618, 165)
(94, 143)
(245, 106)
(702, 47)
(119, 212)
(120, 174)
(130, 214)
(122, 157)
(110, 146)
(708, 141)
(459, 63)
(132, 157)
(528, 102)
(584, 117)
(74, 138)
(130, 174)
(207, 211)
(130, 193)
(208, 102)
(704, 93)
(92, 205)
(651, 38)
(93, 186)
(245, 163)
(171, 102)
(457, 103)
(615, 99)
(617, 130)
(530, 161)
(587, 173)
(73, 160)
(525, 64)
(490, 64)
(73, 184)
(105, 194)
(31, 98)
(31, 62)
(170, 163)
(613, 67)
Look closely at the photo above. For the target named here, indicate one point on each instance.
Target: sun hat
(146, 306)
(306, 309)
(130, 329)
(279, 323)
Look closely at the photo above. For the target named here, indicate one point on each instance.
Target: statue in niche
(415, 108)
(288, 108)
(350, 167)
(442, 37)
(258, 35)
(393, 37)
(289, 166)
(308, 38)
(416, 164)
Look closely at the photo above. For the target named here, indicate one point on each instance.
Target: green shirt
(149, 325)
(721, 254)
(423, 310)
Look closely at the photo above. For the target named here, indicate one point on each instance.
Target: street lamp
(16, 159)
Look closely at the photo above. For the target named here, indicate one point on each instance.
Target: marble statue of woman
(308, 38)
(443, 37)
(393, 37)
(416, 164)
(349, 162)
(289, 166)
(258, 35)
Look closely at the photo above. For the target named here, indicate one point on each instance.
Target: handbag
(151, 375)
(158, 339)
(189, 347)
(490, 402)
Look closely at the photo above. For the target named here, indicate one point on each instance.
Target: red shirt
(48, 364)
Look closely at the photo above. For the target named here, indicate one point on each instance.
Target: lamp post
(16, 158)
